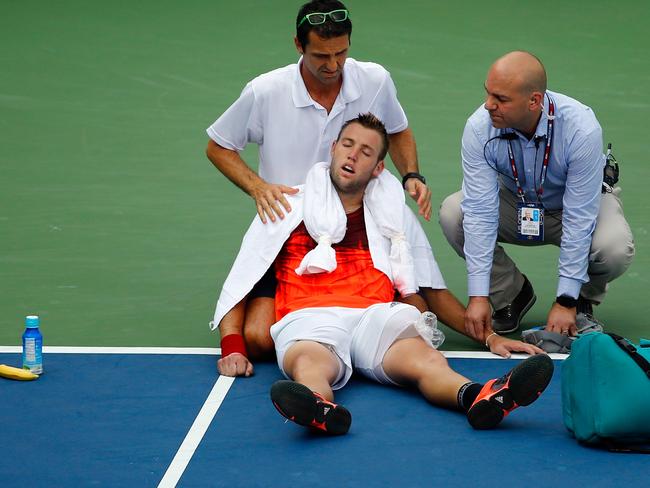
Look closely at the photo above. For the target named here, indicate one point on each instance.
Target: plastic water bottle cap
(32, 321)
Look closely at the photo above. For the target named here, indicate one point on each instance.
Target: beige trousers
(612, 245)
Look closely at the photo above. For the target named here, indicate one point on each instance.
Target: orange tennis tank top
(355, 282)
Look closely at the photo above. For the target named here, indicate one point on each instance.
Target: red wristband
(233, 343)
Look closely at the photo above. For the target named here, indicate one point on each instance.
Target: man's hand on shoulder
(421, 194)
(235, 364)
(268, 198)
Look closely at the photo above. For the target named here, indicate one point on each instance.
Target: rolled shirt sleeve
(480, 208)
(581, 203)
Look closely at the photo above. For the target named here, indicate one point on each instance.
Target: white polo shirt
(293, 131)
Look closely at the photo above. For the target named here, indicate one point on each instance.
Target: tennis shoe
(520, 387)
(299, 404)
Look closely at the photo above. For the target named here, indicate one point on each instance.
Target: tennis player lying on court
(334, 303)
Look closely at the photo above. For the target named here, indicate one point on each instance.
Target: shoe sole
(527, 382)
(525, 310)
(297, 403)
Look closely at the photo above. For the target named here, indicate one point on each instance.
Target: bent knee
(432, 361)
(450, 217)
(301, 362)
(615, 255)
(450, 213)
(305, 357)
(258, 341)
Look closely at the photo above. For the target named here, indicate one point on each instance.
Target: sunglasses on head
(317, 18)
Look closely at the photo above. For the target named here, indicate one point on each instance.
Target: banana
(16, 373)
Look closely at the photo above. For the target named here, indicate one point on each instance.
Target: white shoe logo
(325, 410)
(499, 399)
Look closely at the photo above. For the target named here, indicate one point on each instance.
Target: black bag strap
(631, 350)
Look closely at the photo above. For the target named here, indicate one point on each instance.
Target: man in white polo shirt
(294, 114)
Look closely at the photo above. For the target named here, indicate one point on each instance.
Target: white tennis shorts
(359, 337)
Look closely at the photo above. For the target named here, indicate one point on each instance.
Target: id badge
(530, 222)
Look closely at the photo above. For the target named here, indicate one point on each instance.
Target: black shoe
(585, 306)
(520, 387)
(507, 319)
(299, 404)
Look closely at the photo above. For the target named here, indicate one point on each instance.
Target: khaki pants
(612, 245)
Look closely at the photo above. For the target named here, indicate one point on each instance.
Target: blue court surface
(143, 419)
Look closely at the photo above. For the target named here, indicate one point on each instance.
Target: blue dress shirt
(573, 184)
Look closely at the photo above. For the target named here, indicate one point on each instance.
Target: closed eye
(501, 98)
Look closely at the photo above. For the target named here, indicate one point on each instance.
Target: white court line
(120, 350)
(215, 351)
(489, 355)
(196, 432)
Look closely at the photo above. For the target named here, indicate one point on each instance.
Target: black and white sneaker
(299, 404)
(521, 386)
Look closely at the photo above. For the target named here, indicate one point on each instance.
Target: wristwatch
(417, 176)
(566, 301)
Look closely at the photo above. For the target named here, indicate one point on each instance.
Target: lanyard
(547, 156)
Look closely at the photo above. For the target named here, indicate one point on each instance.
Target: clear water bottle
(427, 327)
(33, 345)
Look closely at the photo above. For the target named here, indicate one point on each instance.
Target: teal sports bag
(606, 392)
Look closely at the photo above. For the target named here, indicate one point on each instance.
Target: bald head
(515, 88)
(524, 71)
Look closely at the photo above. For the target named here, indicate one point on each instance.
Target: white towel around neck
(326, 223)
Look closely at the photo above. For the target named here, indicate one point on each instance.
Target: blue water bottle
(32, 345)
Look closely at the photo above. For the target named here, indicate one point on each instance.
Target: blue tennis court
(156, 419)
(117, 231)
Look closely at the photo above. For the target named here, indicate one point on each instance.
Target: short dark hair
(370, 121)
(326, 30)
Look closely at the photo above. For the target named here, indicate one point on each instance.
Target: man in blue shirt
(529, 149)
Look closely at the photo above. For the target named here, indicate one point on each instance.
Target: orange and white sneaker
(521, 386)
(299, 404)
